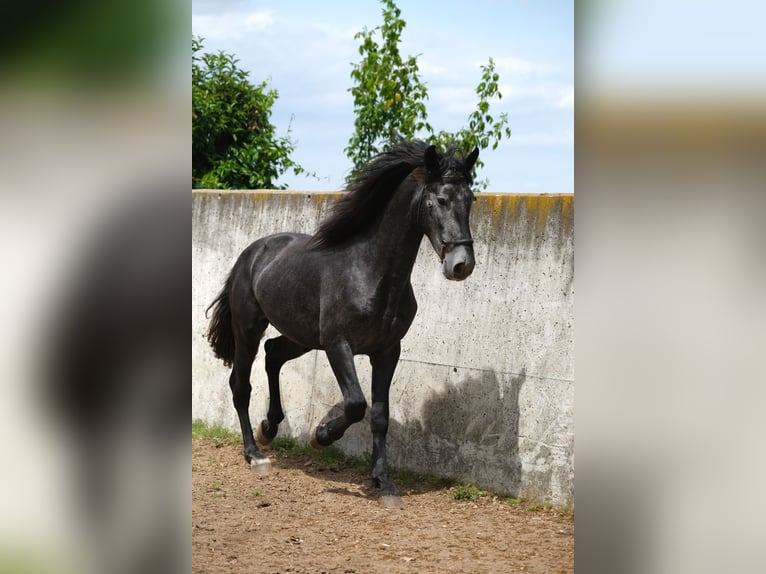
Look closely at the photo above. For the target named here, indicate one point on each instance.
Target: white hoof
(260, 465)
(391, 501)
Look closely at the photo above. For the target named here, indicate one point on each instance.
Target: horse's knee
(354, 410)
(379, 418)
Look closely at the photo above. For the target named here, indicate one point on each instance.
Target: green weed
(218, 434)
(538, 506)
(467, 492)
(284, 444)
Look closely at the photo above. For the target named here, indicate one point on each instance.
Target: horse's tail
(220, 333)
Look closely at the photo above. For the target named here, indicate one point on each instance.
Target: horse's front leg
(341, 360)
(383, 366)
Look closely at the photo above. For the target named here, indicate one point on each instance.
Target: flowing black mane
(373, 186)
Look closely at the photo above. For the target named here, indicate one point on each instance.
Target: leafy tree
(389, 99)
(234, 145)
(484, 130)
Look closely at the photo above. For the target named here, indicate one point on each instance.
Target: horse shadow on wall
(467, 429)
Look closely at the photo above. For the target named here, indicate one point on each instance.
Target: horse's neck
(397, 239)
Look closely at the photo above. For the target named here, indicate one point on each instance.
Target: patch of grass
(218, 434)
(330, 456)
(257, 493)
(327, 458)
(284, 444)
(536, 506)
(362, 464)
(467, 492)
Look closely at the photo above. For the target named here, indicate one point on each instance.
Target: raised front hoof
(260, 438)
(391, 501)
(313, 441)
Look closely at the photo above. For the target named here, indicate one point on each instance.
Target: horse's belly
(371, 334)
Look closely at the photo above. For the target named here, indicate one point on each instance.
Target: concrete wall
(484, 390)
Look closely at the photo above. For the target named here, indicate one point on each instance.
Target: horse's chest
(380, 321)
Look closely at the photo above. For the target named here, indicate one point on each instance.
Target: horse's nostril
(458, 269)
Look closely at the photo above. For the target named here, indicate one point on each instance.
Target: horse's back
(261, 252)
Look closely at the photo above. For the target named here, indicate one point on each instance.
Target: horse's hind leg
(245, 350)
(278, 352)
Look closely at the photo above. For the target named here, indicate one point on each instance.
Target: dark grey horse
(346, 290)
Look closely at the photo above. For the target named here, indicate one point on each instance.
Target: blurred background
(94, 392)
(669, 179)
(669, 171)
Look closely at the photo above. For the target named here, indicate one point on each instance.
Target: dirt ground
(306, 518)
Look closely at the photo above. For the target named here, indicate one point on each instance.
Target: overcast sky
(304, 49)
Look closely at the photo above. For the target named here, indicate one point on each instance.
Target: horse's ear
(471, 159)
(432, 160)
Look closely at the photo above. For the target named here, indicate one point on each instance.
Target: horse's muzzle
(458, 261)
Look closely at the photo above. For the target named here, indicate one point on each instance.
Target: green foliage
(537, 506)
(484, 130)
(363, 464)
(216, 433)
(467, 492)
(234, 145)
(389, 99)
(284, 444)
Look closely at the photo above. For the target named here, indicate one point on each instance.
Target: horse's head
(446, 207)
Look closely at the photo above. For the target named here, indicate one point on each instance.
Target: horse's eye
(441, 201)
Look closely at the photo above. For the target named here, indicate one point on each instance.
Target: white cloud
(543, 138)
(429, 70)
(259, 20)
(451, 100)
(539, 95)
(520, 67)
(230, 25)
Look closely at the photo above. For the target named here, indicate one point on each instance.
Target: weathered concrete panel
(484, 390)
